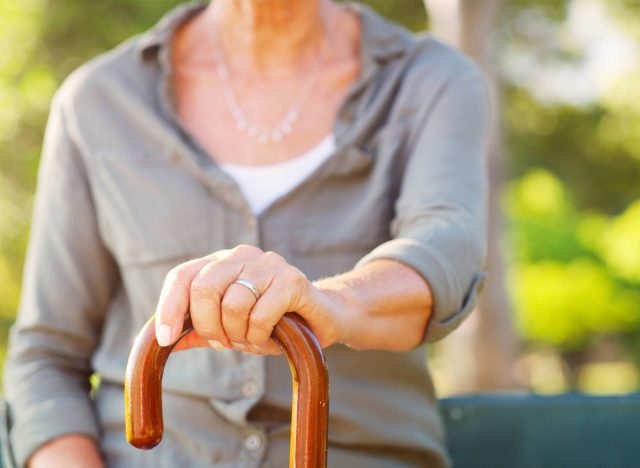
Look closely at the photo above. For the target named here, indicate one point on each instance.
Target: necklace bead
(286, 125)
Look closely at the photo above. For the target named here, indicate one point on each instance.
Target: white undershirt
(264, 184)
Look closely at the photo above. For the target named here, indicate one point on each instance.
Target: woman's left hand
(227, 314)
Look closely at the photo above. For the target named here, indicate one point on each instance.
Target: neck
(269, 35)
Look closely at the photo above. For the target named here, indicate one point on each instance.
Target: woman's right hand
(70, 451)
(227, 314)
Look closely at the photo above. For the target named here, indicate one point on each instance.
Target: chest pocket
(151, 210)
(335, 244)
(340, 217)
(344, 220)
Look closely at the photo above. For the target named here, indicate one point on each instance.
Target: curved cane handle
(310, 396)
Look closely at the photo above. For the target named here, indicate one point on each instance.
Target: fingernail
(164, 335)
(238, 346)
(216, 345)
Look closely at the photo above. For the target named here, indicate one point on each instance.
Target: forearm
(386, 305)
(70, 451)
(382, 304)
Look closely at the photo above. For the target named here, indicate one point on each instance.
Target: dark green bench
(524, 431)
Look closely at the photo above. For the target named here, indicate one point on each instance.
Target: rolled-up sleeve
(68, 280)
(439, 227)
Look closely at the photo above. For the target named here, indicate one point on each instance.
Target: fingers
(207, 291)
(187, 287)
(174, 300)
(267, 312)
(219, 307)
(236, 307)
(288, 293)
(191, 340)
(226, 313)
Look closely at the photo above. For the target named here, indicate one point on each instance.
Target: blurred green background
(570, 77)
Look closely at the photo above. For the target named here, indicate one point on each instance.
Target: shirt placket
(248, 371)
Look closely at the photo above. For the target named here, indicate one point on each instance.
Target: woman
(242, 160)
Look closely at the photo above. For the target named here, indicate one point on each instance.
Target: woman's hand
(227, 314)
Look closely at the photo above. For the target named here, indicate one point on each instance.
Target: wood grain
(310, 395)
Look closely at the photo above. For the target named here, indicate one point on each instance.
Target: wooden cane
(310, 396)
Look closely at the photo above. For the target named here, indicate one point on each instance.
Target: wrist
(348, 309)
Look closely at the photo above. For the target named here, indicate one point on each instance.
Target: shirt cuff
(47, 421)
(449, 309)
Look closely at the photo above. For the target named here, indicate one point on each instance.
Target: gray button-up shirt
(125, 194)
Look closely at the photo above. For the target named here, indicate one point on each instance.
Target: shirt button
(253, 442)
(250, 388)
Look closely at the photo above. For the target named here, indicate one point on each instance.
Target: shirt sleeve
(68, 281)
(439, 228)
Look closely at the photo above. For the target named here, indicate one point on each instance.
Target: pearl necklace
(286, 125)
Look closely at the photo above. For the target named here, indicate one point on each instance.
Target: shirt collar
(381, 40)
(159, 35)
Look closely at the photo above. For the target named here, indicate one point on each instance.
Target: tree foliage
(574, 169)
(574, 227)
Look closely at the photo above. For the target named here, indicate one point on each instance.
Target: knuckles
(297, 277)
(233, 307)
(179, 275)
(260, 331)
(272, 258)
(295, 280)
(202, 289)
(246, 250)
